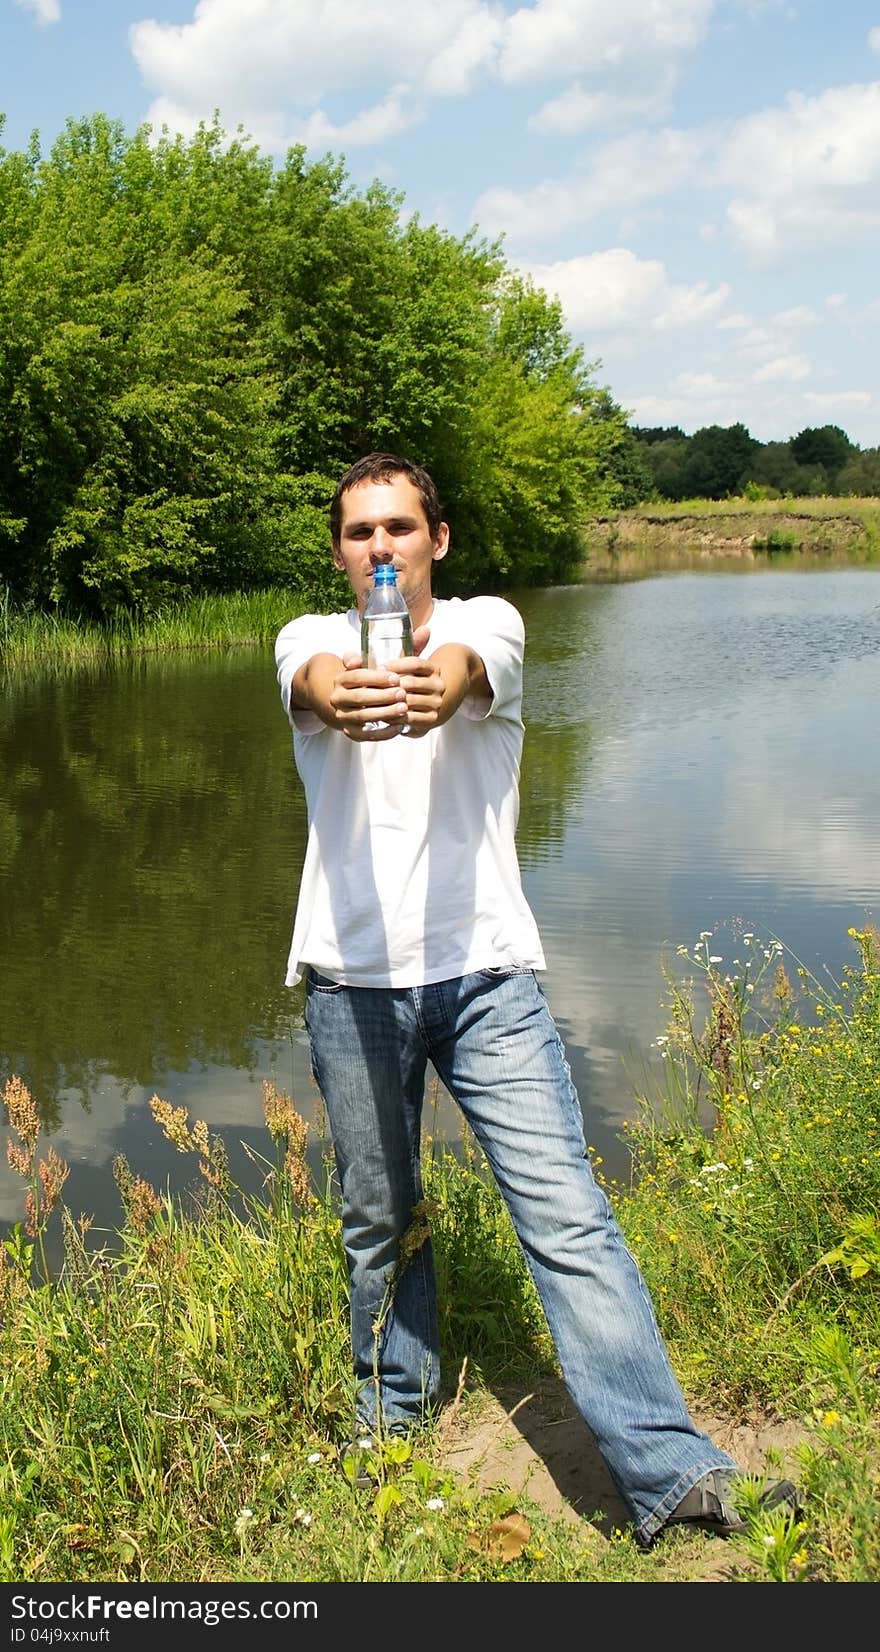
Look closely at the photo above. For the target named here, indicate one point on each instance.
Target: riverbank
(57, 642)
(171, 1405)
(644, 540)
(700, 531)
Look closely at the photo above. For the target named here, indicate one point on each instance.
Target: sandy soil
(537, 1444)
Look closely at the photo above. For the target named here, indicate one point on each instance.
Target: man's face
(386, 522)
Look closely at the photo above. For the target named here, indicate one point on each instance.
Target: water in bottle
(386, 628)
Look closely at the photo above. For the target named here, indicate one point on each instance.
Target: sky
(697, 181)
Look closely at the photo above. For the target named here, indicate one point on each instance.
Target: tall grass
(29, 639)
(172, 1404)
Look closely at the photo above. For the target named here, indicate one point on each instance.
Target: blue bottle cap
(385, 574)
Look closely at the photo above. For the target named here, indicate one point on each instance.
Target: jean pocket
(321, 983)
(501, 972)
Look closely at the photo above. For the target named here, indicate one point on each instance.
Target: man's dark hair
(383, 467)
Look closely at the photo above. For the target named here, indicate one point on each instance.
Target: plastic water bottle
(386, 628)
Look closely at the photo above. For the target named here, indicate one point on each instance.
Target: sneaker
(709, 1505)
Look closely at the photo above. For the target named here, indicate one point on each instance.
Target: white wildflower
(716, 958)
(314, 1457)
(435, 1504)
(242, 1522)
(302, 1517)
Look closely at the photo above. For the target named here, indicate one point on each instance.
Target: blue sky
(697, 180)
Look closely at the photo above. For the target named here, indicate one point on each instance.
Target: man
(418, 944)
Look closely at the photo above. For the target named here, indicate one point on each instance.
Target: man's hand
(405, 695)
(409, 696)
(361, 699)
(433, 689)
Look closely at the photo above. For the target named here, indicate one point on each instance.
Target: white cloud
(598, 35)
(268, 64)
(874, 40)
(604, 291)
(265, 63)
(576, 110)
(687, 306)
(806, 172)
(470, 50)
(687, 406)
(800, 316)
(701, 385)
(783, 369)
(838, 398)
(394, 114)
(45, 11)
(758, 340)
(294, 51)
(640, 167)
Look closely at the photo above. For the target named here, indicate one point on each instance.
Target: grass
(821, 508)
(171, 1406)
(29, 638)
(825, 528)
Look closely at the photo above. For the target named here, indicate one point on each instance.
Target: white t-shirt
(411, 872)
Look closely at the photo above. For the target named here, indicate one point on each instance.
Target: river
(702, 753)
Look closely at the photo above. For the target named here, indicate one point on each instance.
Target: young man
(418, 944)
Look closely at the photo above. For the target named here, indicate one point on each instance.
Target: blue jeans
(495, 1046)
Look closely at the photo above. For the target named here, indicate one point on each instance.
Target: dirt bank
(734, 532)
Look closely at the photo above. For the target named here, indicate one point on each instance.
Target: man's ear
(337, 556)
(441, 543)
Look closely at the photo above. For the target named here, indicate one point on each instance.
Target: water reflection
(149, 844)
(700, 748)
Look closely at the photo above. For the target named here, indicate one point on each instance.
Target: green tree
(135, 423)
(826, 445)
(649, 434)
(717, 461)
(861, 473)
(195, 342)
(667, 460)
(773, 465)
(625, 463)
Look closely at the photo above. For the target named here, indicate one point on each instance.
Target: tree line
(196, 340)
(724, 460)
